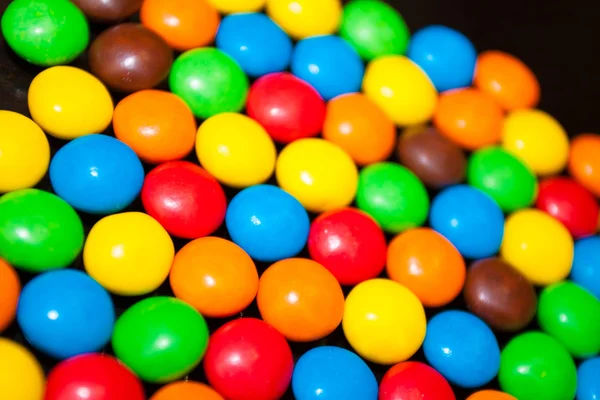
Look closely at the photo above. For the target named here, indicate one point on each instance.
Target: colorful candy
(409, 379)
(490, 395)
(10, 288)
(584, 164)
(108, 10)
(237, 6)
(21, 376)
(588, 385)
(586, 265)
(304, 18)
(186, 390)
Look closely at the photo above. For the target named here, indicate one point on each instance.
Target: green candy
(45, 32)
(571, 314)
(160, 338)
(38, 231)
(535, 366)
(502, 176)
(393, 196)
(374, 29)
(209, 81)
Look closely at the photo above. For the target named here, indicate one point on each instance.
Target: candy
(21, 376)
(10, 288)
(237, 6)
(586, 265)
(409, 379)
(108, 10)
(186, 390)
(584, 165)
(588, 386)
(304, 18)
(490, 395)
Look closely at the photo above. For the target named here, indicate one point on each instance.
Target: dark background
(557, 39)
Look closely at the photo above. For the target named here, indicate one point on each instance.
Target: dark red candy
(108, 10)
(413, 380)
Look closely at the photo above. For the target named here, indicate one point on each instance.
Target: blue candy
(588, 379)
(586, 265)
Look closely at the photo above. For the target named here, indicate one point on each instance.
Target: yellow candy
(538, 139)
(318, 173)
(237, 6)
(24, 152)
(68, 102)
(384, 321)
(401, 89)
(21, 377)
(130, 254)
(304, 18)
(236, 150)
(538, 246)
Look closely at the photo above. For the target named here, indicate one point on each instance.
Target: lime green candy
(209, 81)
(503, 177)
(535, 366)
(393, 196)
(45, 32)
(160, 338)
(571, 314)
(374, 29)
(38, 231)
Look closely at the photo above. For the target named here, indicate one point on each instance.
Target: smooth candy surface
(410, 378)
(17, 366)
(304, 18)
(10, 289)
(584, 165)
(108, 10)
(588, 385)
(586, 264)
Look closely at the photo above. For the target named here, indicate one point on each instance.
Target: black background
(557, 39)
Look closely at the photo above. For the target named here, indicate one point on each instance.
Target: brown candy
(108, 10)
(500, 295)
(436, 160)
(128, 57)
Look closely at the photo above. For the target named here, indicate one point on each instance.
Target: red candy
(570, 203)
(185, 199)
(414, 380)
(349, 244)
(286, 106)
(247, 359)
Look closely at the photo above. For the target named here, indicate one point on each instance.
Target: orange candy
(215, 276)
(183, 24)
(507, 79)
(157, 125)
(359, 126)
(301, 299)
(469, 117)
(428, 264)
(584, 161)
(10, 287)
(186, 391)
(490, 395)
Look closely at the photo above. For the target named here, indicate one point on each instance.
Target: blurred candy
(410, 379)
(237, 6)
(490, 395)
(586, 264)
(588, 384)
(538, 246)
(21, 376)
(304, 18)
(584, 163)
(10, 288)
(379, 330)
(186, 390)
(108, 10)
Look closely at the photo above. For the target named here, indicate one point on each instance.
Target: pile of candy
(268, 180)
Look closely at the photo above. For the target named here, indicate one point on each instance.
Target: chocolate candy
(108, 10)
(128, 57)
(433, 158)
(500, 295)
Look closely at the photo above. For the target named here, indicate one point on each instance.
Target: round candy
(186, 390)
(130, 254)
(128, 57)
(537, 139)
(108, 10)
(428, 265)
(374, 29)
(268, 223)
(462, 348)
(215, 276)
(68, 102)
(586, 264)
(301, 299)
(349, 243)
(377, 328)
(93, 377)
(411, 379)
(64, 313)
(571, 314)
(401, 89)
(97, 174)
(393, 196)
(584, 165)
(538, 246)
(24, 152)
(257, 43)
(238, 6)
(45, 32)
(447, 56)
(329, 64)
(304, 18)
(470, 219)
(360, 127)
(157, 125)
(160, 338)
(318, 173)
(500, 295)
(185, 199)
(10, 288)
(209, 81)
(183, 24)
(38, 231)
(248, 359)
(21, 376)
(570, 203)
(331, 373)
(588, 385)
(469, 117)
(235, 149)
(490, 395)
(504, 177)
(287, 107)
(535, 366)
